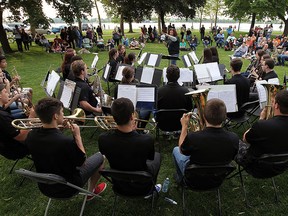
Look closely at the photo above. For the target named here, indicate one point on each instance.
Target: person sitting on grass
(134, 44)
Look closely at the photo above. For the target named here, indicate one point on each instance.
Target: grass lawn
(33, 65)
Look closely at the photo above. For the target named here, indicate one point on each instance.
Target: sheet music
(95, 60)
(128, 91)
(153, 60)
(261, 92)
(67, 93)
(186, 75)
(164, 75)
(214, 71)
(119, 74)
(187, 60)
(202, 73)
(143, 56)
(53, 79)
(227, 93)
(274, 81)
(106, 72)
(194, 57)
(147, 75)
(146, 94)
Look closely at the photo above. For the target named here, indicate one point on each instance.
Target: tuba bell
(197, 121)
(271, 91)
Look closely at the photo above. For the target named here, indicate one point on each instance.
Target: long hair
(67, 60)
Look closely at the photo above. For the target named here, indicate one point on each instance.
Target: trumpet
(108, 123)
(78, 116)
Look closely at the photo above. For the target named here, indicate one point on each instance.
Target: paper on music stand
(227, 93)
(119, 74)
(187, 61)
(146, 94)
(194, 57)
(67, 93)
(143, 56)
(214, 71)
(106, 72)
(274, 81)
(95, 60)
(147, 75)
(128, 91)
(186, 75)
(202, 73)
(53, 79)
(152, 60)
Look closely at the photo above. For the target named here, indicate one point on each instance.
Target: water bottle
(165, 185)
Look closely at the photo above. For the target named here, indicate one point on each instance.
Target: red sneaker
(97, 190)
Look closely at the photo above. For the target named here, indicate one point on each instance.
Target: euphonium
(271, 91)
(199, 97)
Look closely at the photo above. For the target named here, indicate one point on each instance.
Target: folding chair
(205, 178)
(264, 167)
(131, 184)
(52, 179)
(248, 109)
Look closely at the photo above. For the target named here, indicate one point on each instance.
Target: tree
(98, 13)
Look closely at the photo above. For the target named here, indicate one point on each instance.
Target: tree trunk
(130, 27)
(239, 25)
(3, 37)
(253, 20)
(161, 15)
(159, 25)
(201, 18)
(80, 24)
(122, 24)
(285, 32)
(98, 14)
(216, 17)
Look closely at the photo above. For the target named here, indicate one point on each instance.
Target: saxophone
(197, 121)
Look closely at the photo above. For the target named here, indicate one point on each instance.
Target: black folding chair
(131, 184)
(205, 178)
(52, 179)
(264, 167)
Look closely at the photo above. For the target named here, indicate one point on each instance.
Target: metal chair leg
(183, 201)
(12, 168)
(114, 205)
(47, 207)
(243, 187)
(275, 190)
(23, 179)
(219, 202)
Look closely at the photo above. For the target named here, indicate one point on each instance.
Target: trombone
(78, 116)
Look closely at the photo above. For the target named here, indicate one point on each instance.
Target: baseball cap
(2, 86)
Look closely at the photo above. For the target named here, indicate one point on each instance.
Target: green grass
(27, 199)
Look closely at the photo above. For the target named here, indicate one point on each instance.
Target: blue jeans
(174, 61)
(181, 161)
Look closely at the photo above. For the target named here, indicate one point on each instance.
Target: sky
(51, 12)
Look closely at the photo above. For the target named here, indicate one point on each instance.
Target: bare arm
(77, 136)
(86, 106)
(184, 122)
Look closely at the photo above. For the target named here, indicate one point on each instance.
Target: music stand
(154, 78)
(153, 60)
(67, 94)
(169, 57)
(51, 81)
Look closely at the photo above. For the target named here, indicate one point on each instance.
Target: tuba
(197, 121)
(271, 91)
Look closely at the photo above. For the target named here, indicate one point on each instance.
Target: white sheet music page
(67, 93)
(146, 94)
(274, 81)
(53, 79)
(119, 74)
(194, 57)
(153, 60)
(106, 72)
(143, 56)
(227, 93)
(261, 92)
(187, 60)
(128, 91)
(147, 75)
(164, 75)
(202, 73)
(186, 75)
(95, 60)
(214, 71)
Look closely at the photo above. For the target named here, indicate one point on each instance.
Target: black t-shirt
(86, 93)
(270, 75)
(173, 46)
(7, 75)
(9, 147)
(54, 152)
(113, 64)
(172, 96)
(211, 146)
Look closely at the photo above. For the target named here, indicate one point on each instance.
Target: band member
(213, 145)
(11, 139)
(266, 136)
(54, 152)
(125, 148)
(87, 100)
(267, 67)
